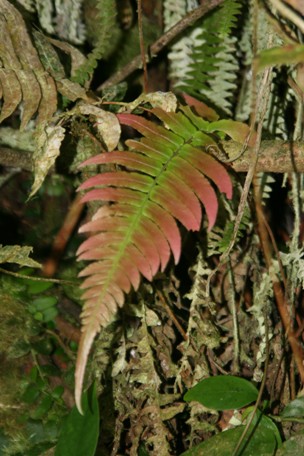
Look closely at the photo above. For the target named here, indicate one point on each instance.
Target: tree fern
(165, 176)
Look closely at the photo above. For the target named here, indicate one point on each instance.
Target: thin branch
(142, 45)
(162, 42)
(16, 158)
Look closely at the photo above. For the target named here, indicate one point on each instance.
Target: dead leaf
(48, 148)
(106, 123)
(12, 94)
(17, 254)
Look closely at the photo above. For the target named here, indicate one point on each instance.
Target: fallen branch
(275, 157)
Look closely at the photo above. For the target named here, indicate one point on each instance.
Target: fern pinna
(162, 178)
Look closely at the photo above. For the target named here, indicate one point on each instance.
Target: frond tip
(160, 180)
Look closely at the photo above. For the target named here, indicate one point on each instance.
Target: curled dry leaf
(106, 122)
(48, 140)
(17, 254)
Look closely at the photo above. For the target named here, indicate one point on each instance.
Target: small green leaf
(223, 392)
(290, 54)
(50, 314)
(294, 409)
(44, 302)
(31, 394)
(42, 408)
(79, 433)
(35, 287)
(57, 392)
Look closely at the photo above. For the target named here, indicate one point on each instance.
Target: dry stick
(279, 294)
(262, 100)
(64, 234)
(274, 156)
(171, 315)
(162, 42)
(142, 45)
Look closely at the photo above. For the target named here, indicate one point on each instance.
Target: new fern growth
(162, 178)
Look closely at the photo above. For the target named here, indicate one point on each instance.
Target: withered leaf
(26, 76)
(48, 103)
(77, 58)
(12, 94)
(31, 95)
(17, 254)
(107, 124)
(49, 140)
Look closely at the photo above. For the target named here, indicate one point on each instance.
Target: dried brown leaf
(17, 254)
(106, 122)
(48, 103)
(23, 46)
(12, 94)
(77, 58)
(24, 70)
(49, 140)
(31, 95)
(71, 90)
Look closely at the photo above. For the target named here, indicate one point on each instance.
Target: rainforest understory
(151, 227)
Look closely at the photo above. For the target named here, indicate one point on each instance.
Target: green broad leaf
(293, 446)
(79, 433)
(223, 392)
(265, 422)
(290, 54)
(17, 254)
(258, 441)
(295, 409)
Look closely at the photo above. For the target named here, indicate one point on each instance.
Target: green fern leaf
(165, 176)
(107, 20)
(213, 71)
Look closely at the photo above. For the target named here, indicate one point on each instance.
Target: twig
(261, 104)
(162, 42)
(37, 279)
(172, 316)
(289, 14)
(142, 45)
(16, 158)
(64, 234)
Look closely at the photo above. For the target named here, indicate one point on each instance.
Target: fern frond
(213, 71)
(180, 54)
(165, 176)
(107, 20)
